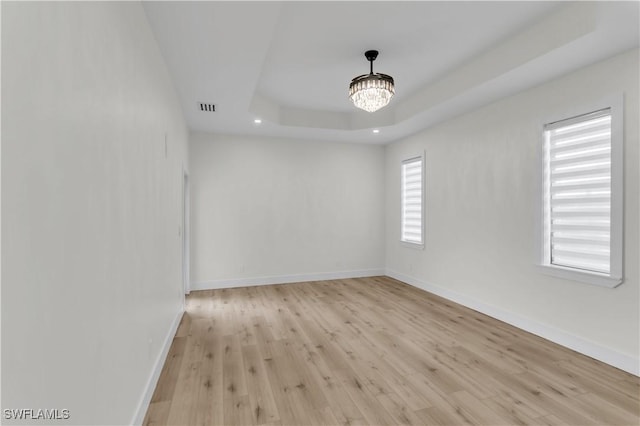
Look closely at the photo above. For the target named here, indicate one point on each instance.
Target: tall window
(412, 217)
(582, 200)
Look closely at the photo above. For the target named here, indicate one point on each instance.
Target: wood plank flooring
(373, 351)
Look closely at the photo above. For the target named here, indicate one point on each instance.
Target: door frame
(186, 240)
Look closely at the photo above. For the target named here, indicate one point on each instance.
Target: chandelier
(371, 92)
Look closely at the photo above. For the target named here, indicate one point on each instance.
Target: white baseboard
(283, 279)
(609, 356)
(145, 399)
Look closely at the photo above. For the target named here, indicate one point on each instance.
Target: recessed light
(257, 121)
(376, 130)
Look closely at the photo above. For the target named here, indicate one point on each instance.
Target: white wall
(275, 210)
(480, 216)
(91, 277)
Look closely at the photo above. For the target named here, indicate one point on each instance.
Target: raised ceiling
(290, 63)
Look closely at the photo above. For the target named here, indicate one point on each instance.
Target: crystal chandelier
(371, 92)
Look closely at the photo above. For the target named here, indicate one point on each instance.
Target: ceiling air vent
(206, 107)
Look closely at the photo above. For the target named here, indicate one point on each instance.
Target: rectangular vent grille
(206, 107)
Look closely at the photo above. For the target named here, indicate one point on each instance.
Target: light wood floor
(373, 351)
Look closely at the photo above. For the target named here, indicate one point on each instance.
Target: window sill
(414, 246)
(585, 277)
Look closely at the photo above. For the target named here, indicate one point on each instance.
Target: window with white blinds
(412, 217)
(578, 193)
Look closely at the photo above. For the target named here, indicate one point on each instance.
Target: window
(583, 198)
(412, 213)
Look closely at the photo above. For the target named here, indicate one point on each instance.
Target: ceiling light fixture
(371, 92)
(257, 121)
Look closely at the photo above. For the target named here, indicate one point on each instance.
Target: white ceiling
(290, 63)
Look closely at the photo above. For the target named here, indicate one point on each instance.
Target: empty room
(320, 213)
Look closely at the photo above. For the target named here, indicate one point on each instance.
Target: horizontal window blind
(578, 205)
(412, 201)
